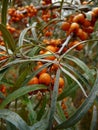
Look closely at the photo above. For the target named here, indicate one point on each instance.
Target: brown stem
(67, 7)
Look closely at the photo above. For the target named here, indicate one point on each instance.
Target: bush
(48, 65)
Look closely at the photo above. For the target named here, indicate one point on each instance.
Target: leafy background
(22, 111)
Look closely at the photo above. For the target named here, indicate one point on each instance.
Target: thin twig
(65, 43)
(67, 7)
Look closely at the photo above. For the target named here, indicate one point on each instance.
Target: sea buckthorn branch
(65, 43)
(67, 7)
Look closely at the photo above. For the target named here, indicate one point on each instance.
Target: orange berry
(41, 52)
(45, 78)
(54, 67)
(55, 42)
(34, 80)
(42, 71)
(84, 2)
(89, 30)
(79, 18)
(48, 33)
(86, 23)
(45, 41)
(74, 27)
(60, 90)
(63, 106)
(3, 89)
(81, 34)
(39, 63)
(79, 47)
(95, 11)
(51, 48)
(65, 26)
(51, 57)
(65, 49)
(61, 82)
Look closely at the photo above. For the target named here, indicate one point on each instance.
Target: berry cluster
(80, 26)
(22, 13)
(46, 77)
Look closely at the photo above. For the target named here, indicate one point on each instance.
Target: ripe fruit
(79, 18)
(65, 26)
(86, 23)
(34, 80)
(55, 42)
(89, 29)
(51, 57)
(51, 48)
(42, 71)
(48, 33)
(74, 27)
(61, 82)
(78, 47)
(81, 34)
(44, 78)
(95, 11)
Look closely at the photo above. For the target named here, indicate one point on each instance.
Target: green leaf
(19, 61)
(68, 91)
(21, 78)
(7, 37)
(33, 51)
(2, 95)
(31, 113)
(82, 65)
(96, 26)
(14, 118)
(33, 29)
(78, 74)
(20, 92)
(42, 110)
(2, 73)
(22, 35)
(54, 99)
(35, 73)
(10, 126)
(60, 112)
(4, 11)
(94, 119)
(82, 110)
(88, 16)
(74, 78)
(41, 125)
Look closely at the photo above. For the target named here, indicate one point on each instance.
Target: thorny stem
(65, 43)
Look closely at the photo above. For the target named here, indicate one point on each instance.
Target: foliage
(48, 64)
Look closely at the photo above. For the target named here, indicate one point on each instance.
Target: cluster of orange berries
(48, 14)
(21, 13)
(15, 32)
(44, 77)
(51, 46)
(80, 26)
